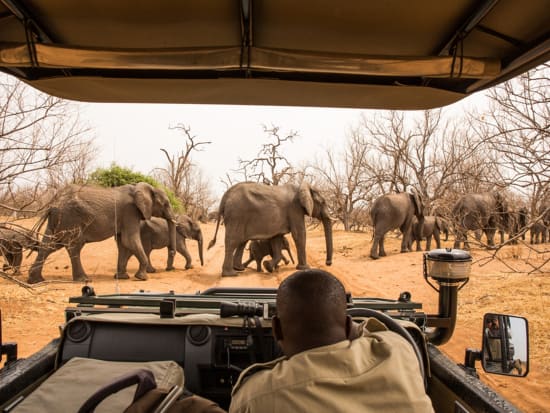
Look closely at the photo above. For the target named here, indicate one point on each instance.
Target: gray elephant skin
(253, 211)
(539, 233)
(262, 248)
(393, 211)
(91, 214)
(431, 228)
(13, 241)
(155, 235)
(486, 212)
(518, 224)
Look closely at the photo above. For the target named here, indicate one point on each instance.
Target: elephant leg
(182, 249)
(147, 248)
(299, 236)
(285, 259)
(124, 255)
(407, 233)
(47, 247)
(230, 247)
(74, 253)
(238, 257)
(17, 259)
(9, 261)
(150, 269)
(377, 250)
(418, 245)
(437, 238)
(131, 241)
(259, 263)
(428, 242)
(490, 234)
(248, 261)
(276, 245)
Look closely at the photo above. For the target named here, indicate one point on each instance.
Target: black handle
(143, 378)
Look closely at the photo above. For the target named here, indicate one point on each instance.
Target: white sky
(132, 134)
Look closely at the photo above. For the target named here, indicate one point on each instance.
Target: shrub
(117, 176)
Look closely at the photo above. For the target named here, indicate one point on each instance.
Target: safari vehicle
(386, 55)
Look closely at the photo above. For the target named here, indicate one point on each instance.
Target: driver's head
(311, 311)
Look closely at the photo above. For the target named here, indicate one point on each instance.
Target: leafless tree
(270, 166)
(436, 155)
(518, 128)
(43, 143)
(184, 178)
(344, 182)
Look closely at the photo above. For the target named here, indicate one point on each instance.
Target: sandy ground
(32, 317)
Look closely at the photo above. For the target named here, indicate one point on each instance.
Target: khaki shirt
(374, 373)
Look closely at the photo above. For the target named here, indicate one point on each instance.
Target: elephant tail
(213, 242)
(40, 223)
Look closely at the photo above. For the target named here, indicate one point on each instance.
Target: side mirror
(505, 348)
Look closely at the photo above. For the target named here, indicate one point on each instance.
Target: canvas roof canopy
(386, 54)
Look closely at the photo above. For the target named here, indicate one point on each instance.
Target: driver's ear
(276, 327)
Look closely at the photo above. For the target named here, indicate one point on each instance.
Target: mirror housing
(505, 348)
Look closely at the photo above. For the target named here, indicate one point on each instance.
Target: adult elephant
(273, 247)
(156, 235)
(91, 214)
(431, 229)
(253, 211)
(486, 212)
(393, 211)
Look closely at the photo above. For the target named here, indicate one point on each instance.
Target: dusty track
(32, 317)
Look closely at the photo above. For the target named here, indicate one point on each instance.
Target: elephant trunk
(327, 226)
(199, 240)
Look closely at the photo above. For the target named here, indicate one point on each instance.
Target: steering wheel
(394, 326)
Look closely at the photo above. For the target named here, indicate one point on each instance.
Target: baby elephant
(13, 240)
(273, 247)
(154, 235)
(431, 228)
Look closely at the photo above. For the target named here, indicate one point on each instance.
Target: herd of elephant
(141, 219)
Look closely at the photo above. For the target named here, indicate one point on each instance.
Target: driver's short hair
(311, 299)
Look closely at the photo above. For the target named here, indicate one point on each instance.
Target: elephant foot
(141, 276)
(374, 257)
(152, 270)
(268, 267)
(122, 276)
(230, 274)
(187, 266)
(171, 268)
(303, 267)
(237, 268)
(35, 279)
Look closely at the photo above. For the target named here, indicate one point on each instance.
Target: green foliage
(118, 176)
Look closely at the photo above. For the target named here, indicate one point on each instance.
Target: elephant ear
(143, 198)
(306, 200)
(417, 203)
(183, 226)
